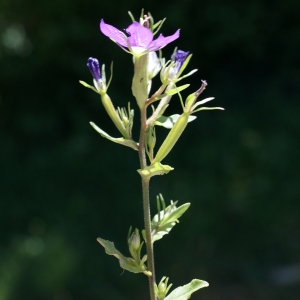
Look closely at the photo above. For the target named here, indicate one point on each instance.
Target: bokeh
(62, 185)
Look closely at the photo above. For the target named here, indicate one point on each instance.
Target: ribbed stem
(146, 204)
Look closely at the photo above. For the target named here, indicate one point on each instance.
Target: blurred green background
(62, 185)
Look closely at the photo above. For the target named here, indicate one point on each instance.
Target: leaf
(163, 222)
(129, 143)
(126, 263)
(185, 292)
(168, 122)
(155, 169)
(172, 91)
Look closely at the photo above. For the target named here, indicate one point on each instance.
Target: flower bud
(94, 67)
(162, 288)
(171, 70)
(151, 137)
(134, 240)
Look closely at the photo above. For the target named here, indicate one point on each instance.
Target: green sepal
(129, 143)
(172, 91)
(166, 219)
(208, 108)
(189, 102)
(168, 122)
(202, 102)
(184, 65)
(185, 292)
(187, 75)
(126, 263)
(155, 169)
(88, 86)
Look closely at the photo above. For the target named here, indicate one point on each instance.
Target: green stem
(146, 205)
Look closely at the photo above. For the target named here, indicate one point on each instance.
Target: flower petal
(162, 41)
(113, 33)
(139, 35)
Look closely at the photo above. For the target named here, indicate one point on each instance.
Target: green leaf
(163, 222)
(155, 169)
(168, 122)
(129, 143)
(185, 292)
(172, 91)
(126, 263)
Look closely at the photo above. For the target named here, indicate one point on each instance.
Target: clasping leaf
(127, 263)
(185, 292)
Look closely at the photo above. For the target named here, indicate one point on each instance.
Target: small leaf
(129, 143)
(176, 214)
(127, 263)
(155, 169)
(185, 292)
(168, 122)
(163, 222)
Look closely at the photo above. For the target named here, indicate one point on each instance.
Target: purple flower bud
(179, 58)
(93, 65)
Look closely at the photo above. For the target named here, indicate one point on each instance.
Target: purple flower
(139, 39)
(93, 65)
(179, 58)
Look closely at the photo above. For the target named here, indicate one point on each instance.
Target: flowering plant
(138, 40)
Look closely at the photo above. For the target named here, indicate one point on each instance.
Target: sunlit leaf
(155, 169)
(185, 292)
(168, 122)
(129, 143)
(126, 263)
(163, 222)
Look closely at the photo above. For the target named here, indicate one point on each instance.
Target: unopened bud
(134, 241)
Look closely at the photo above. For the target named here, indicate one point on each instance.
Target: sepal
(182, 68)
(129, 143)
(171, 92)
(89, 86)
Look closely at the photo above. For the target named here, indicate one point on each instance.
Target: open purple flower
(139, 39)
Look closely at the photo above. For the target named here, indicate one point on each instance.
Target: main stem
(146, 204)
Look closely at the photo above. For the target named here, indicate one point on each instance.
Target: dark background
(62, 185)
